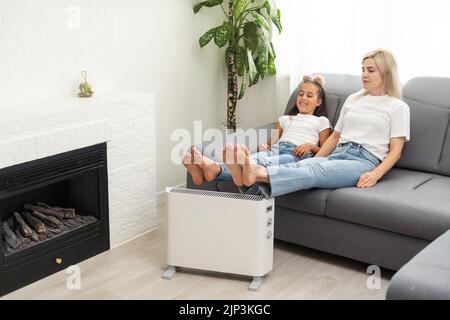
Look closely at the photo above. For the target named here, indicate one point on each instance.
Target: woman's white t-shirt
(301, 129)
(372, 121)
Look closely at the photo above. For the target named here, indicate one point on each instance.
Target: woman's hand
(263, 147)
(368, 180)
(304, 149)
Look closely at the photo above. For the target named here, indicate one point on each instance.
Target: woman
(297, 136)
(368, 140)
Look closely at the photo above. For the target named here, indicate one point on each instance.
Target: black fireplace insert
(54, 213)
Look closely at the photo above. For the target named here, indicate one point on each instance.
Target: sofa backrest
(429, 102)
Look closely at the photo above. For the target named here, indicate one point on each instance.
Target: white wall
(157, 50)
(45, 44)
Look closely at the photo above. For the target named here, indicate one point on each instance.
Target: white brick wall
(45, 44)
(125, 120)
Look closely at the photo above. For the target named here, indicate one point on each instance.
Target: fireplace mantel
(125, 120)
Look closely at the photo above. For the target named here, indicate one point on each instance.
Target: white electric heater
(218, 231)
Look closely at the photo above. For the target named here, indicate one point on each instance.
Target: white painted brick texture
(125, 120)
(45, 44)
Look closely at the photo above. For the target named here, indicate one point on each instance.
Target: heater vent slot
(216, 194)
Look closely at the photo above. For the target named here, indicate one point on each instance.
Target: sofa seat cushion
(308, 201)
(406, 202)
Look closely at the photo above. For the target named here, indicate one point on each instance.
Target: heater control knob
(58, 260)
(269, 234)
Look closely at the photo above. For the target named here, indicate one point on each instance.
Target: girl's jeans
(342, 169)
(279, 154)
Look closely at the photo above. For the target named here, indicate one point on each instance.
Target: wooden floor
(133, 271)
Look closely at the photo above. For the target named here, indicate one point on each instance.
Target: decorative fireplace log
(49, 212)
(52, 232)
(68, 213)
(48, 220)
(24, 229)
(10, 237)
(35, 223)
(71, 223)
(24, 242)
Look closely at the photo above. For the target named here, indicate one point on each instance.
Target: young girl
(296, 137)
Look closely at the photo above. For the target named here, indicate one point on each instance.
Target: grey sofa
(390, 223)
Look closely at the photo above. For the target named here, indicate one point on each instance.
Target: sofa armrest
(426, 276)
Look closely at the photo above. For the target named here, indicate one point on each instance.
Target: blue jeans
(279, 154)
(342, 169)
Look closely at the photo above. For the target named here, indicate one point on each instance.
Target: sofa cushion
(429, 149)
(432, 90)
(406, 202)
(309, 201)
(428, 136)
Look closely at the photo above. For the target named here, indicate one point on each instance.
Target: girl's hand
(304, 149)
(263, 147)
(368, 180)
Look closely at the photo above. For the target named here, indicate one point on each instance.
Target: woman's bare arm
(330, 144)
(370, 179)
(276, 134)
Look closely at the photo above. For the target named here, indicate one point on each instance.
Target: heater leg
(168, 274)
(255, 284)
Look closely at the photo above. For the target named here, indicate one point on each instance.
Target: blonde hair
(387, 65)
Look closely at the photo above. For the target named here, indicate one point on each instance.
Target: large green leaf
(244, 85)
(270, 7)
(207, 3)
(277, 21)
(251, 36)
(241, 60)
(263, 56)
(252, 71)
(239, 6)
(260, 20)
(223, 34)
(272, 51)
(206, 38)
(271, 68)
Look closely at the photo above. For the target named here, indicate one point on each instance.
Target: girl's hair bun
(319, 79)
(307, 78)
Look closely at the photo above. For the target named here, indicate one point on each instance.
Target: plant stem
(232, 93)
(224, 12)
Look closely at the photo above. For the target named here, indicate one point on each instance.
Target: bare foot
(233, 163)
(210, 168)
(251, 172)
(194, 169)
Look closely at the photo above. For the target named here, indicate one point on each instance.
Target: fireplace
(54, 213)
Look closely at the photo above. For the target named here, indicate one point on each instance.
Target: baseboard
(161, 197)
(154, 228)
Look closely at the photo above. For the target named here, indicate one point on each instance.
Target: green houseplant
(250, 54)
